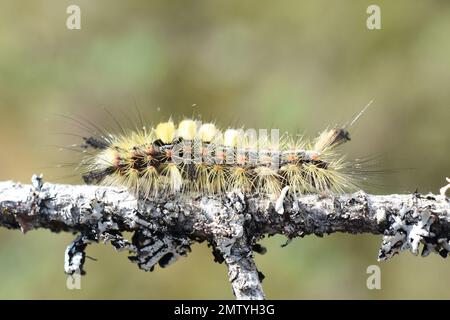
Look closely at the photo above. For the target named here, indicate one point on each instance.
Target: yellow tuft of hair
(165, 131)
(267, 180)
(240, 179)
(201, 181)
(187, 129)
(171, 173)
(104, 159)
(232, 138)
(218, 179)
(207, 132)
(131, 180)
(294, 175)
(150, 182)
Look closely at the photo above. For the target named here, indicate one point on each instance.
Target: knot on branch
(226, 223)
(223, 217)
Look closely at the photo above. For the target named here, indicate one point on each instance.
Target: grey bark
(164, 228)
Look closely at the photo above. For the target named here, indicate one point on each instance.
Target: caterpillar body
(192, 157)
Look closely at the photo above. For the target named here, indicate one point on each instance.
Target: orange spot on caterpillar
(266, 160)
(187, 149)
(242, 160)
(149, 151)
(292, 158)
(117, 160)
(220, 155)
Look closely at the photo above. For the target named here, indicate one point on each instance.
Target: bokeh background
(293, 65)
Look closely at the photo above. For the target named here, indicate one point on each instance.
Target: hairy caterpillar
(192, 157)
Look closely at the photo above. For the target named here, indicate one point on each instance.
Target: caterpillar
(195, 157)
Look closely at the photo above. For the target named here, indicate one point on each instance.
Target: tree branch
(164, 228)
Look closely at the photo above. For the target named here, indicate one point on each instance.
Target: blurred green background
(293, 65)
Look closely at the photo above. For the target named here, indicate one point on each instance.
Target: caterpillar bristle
(217, 179)
(172, 176)
(150, 181)
(295, 177)
(240, 178)
(197, 158)
(131, 180)
(201, 179)
(267, 180)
